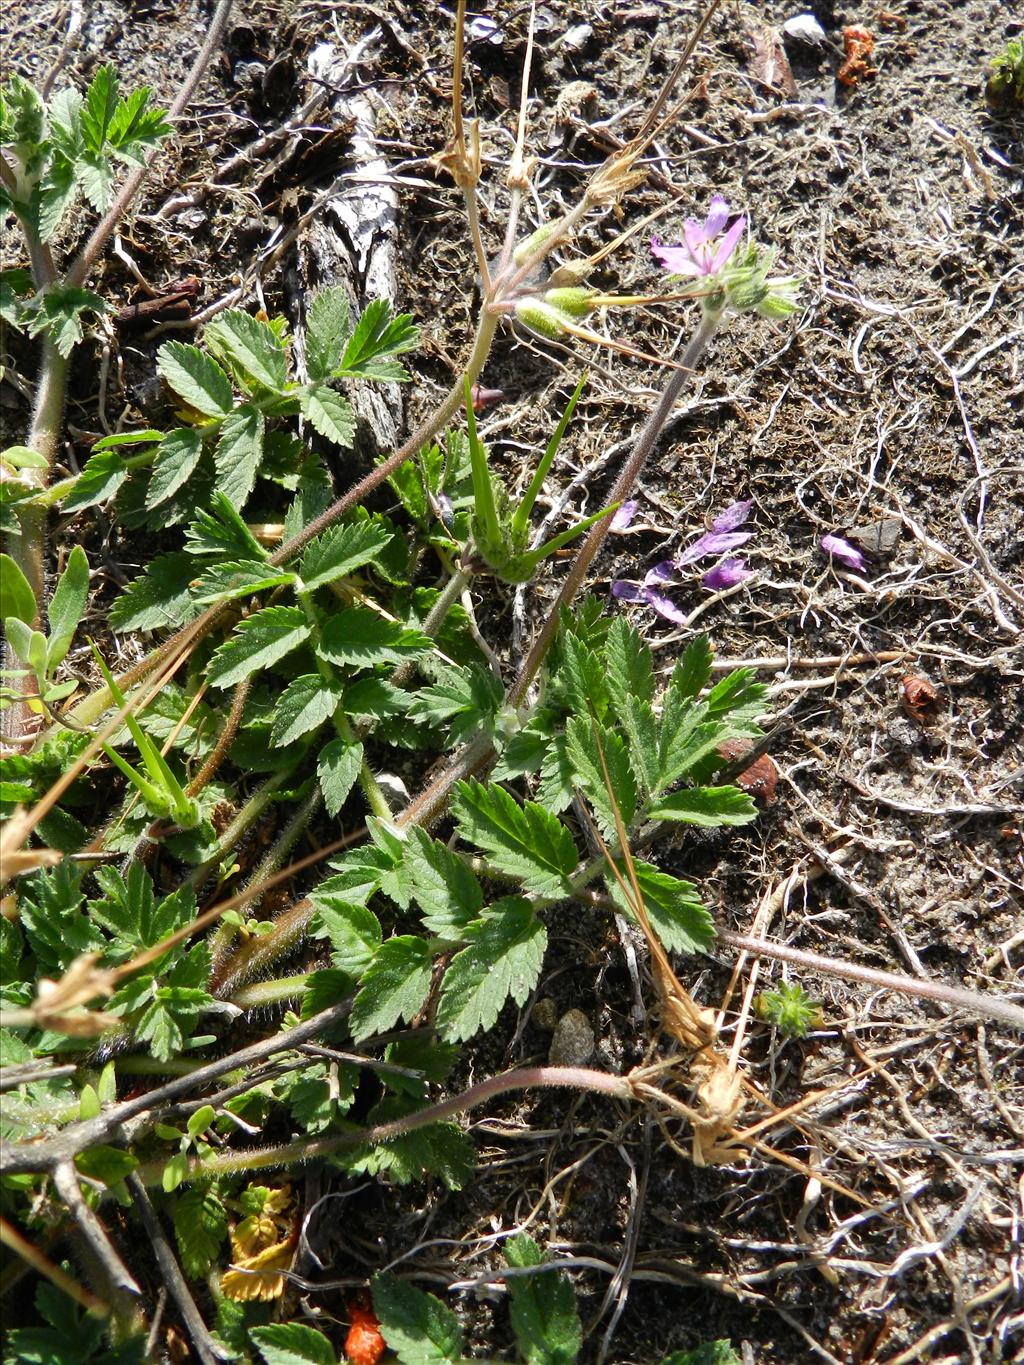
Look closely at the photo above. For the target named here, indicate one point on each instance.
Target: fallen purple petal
(627, 591)
(662, 572)
(624, 515)
(713, 543)
(726, 575)
(844, 553)
(664, 606)
(734, 515)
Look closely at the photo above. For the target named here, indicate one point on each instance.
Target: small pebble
(577, 37)
(544, 1014)
(573, 1041)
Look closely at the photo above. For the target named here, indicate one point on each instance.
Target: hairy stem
(526, 1078)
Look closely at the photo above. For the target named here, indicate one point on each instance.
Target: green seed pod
(542, 317)
(525, 250)
(574, 301)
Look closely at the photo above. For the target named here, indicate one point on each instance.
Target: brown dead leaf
(769, 63)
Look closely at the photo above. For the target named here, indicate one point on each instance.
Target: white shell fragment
(805, 29)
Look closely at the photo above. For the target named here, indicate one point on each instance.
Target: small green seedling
(1005, 85)
(162, 793)
(42, 653)
(501, 532)
(789, 1009)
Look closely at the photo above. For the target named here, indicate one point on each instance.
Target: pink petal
(718, 216)
(734, 515)
(846, 554)
(664, 606)
(662, 572)
(624, 515)
(728, 243)
(713, 543)
(675, 259)
(696, 241)
(726, 575)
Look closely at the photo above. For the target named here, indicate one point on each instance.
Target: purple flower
(726, 575)
(670, 572)
(844, 553)
(624, 515)
(723, 535)
(698, 255)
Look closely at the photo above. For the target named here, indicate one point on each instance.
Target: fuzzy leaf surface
(195, 378)
(338, 768)
(358, 636)
(258, 642)
(394, 986)
(352, 930)
(305, 704)
(341, 551)
(238, 453)
(327, 329)
(447, 892)
(249, 348)
(293, 1343)
(525, 841)
(544, 1315)
(503, 959)
(585, 741)
(677, 916)
(329, 414)
(419, 1328)
(710, 807)
(176, 459)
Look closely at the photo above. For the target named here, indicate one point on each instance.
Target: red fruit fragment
(364, 1344)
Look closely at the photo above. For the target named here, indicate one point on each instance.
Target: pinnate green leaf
(249, 348)
(447, 892)
(585, 742)
(219, 530)
(419, 1328)
(238, 453)
(338, 768)
(543, 1308)
(328, 413)
(393, 987)
(503, 959)
(176, 459)
(640, 726)
(340, 551)
(629, 668)
(240, 578)
(677, 916)
(326, 332)
(525, 841)
(200, 1227)
(99, 106)
(353, 931)
(376, 337)
(196, 378)
(306, 703)
(359, 636)
(159, 598)
(293, 1343)
(710, 807)
(60, 314)
(102, 475)
(258, 642)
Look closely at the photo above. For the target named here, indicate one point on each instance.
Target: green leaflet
(393, 987)
(525, 841)
(258, 642)
(504, 959)
(196, 378)
(417, 1326)
(545, 1318)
